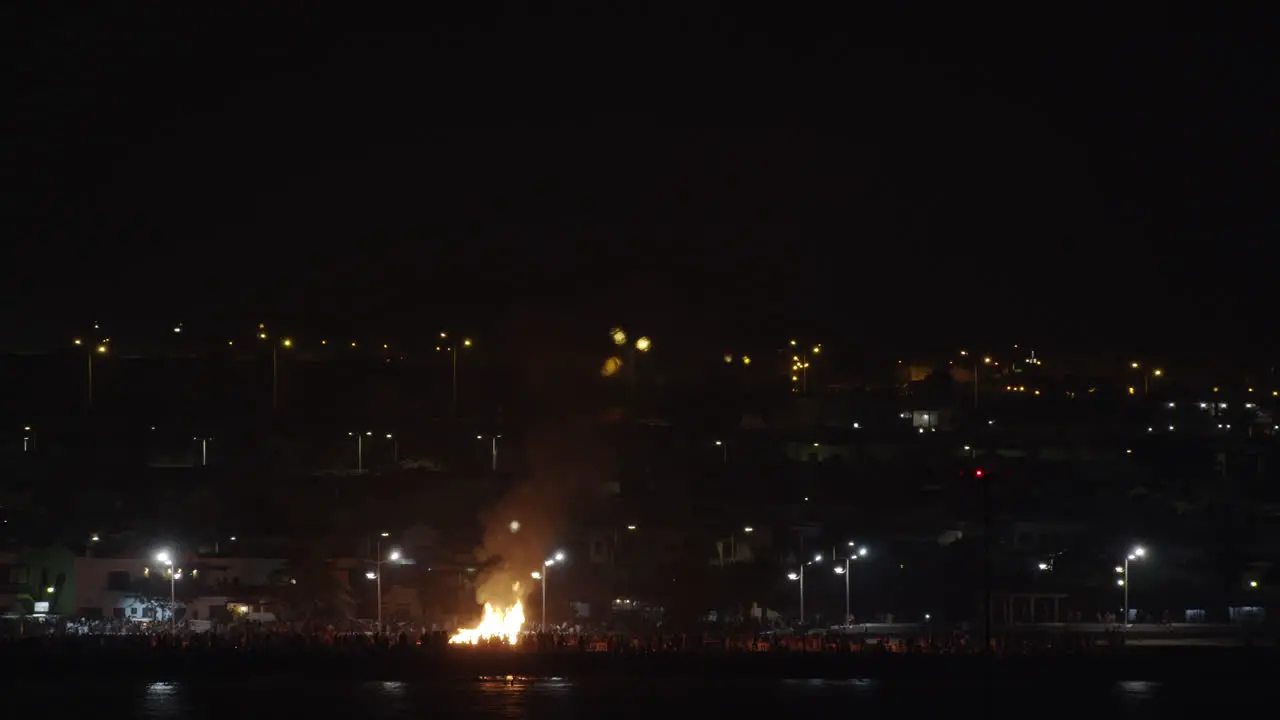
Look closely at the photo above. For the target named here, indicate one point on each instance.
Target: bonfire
(504, 624)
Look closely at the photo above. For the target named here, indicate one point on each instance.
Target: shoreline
(460, 664)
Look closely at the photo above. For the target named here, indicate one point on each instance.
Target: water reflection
(163, 700)
(544, 698)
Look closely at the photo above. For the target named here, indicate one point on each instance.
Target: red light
(977, 473)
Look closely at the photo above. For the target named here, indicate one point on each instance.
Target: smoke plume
(566, 457)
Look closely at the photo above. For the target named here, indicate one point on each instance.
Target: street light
(800, 366)
(453, 352)
(493, 451)
(360, 449)
(393, 557)
(1146, 377)
(164, 558)
(204, 450)
(800, 576)
(844, 570)
(100, 349)
(1123, 570)
(724, 451)
(286, 343)
(541, 576)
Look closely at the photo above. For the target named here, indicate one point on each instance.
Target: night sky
(1061, 177)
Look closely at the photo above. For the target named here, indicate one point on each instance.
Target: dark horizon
(948, 180)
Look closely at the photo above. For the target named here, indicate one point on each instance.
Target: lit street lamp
(844, 570)
(800, 366)
(453, 352)
(359, 449)
(286, 343)
(164, 558)
(394, 557)
(99, 349)
(642, 345)
(1146, 376)
(800, 576)
(1123, 582)
(493, 451)
(541, 577)
(724, 451)
(204, 450)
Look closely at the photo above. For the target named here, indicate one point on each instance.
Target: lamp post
(541, 576)
(642, 345)
(493, 451)
(844, 570)
(1138, 552)
(275, 370)
(724, 451)
(395, 449)
(986, 360)
(359, 449)
(800, 576)
(453, 352)
(393, 557)
(800, 366)
(204, 450)
(164, 558)
(99, 349)
(1146, 376)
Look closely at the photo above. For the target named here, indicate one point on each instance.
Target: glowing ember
(496, 624)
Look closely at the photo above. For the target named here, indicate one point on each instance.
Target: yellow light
(1134, 365)
(964, 352)
(794, 378)
(1037, 392)
(643, 344)
(793, 343)
(1215, 389)
(76, 341)
(262, 336)
(497, 624)
(619, 336)
(102, 349)
(353, 344)
(728, 358)
(287, 342)
(231, 342)
(1250, 389)
(384, 346)
(1131, 391)
(611, 367)
(466, 342)
(986, 360)
(324, 342)
(1157, 372)
(746, 360)
(817, 349)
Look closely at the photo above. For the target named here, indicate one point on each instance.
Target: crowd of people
(46, 635)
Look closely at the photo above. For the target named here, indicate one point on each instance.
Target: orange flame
(496, 624)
